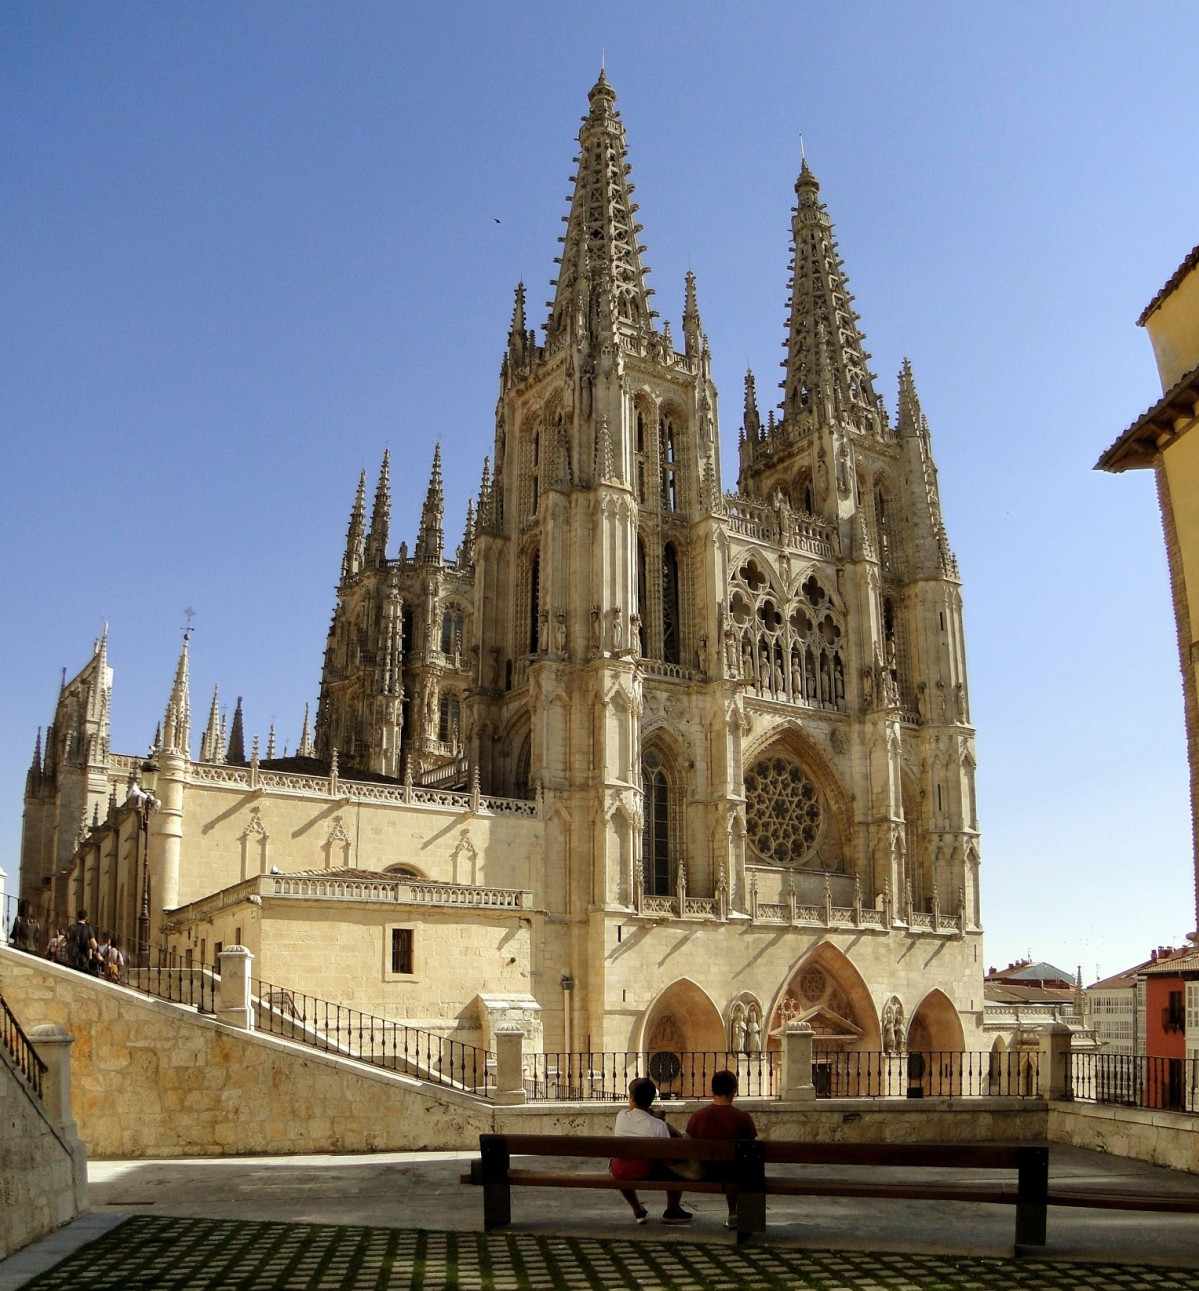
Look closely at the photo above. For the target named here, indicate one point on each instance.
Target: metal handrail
(937, 1074)
(604, 1076)
(1136, 1080)
(19, 1046)
(364, 1037)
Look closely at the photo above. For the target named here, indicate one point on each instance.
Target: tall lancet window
(655, 849)
(535, 474)
(670, 482)
(671, 650)
(642, 602)
(640, 455)
(534, 600)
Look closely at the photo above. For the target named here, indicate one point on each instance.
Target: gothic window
(450, 719)
(655, 849)
(669, 464)
(642, 601)
(882, 524)
(535, 474)
(792, 647)
(640, 429)
(451, 631)
(534, 600)
(784, 813)
(670, 605)
(802, 498)
(406, 630)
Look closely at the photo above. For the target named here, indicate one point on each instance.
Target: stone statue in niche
(560, 632)
(730, 652)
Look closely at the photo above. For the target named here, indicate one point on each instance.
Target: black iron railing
(350, 1033)
(605, 1076)
(948, 1074)
(24, 1055)
(179, 979)
(1128, 1080)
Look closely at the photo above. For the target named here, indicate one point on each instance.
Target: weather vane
(188, 614)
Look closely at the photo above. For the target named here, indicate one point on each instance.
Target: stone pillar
(165, 839)
(796, 1078)
(1055, 1075)
(52, 1044)
(233, 1005)
(509, 1065)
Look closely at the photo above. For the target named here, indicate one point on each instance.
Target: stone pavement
(404, 1221)
(174, 1254)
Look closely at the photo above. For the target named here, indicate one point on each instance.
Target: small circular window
(783, 815)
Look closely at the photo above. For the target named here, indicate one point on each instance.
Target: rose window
(783, 811)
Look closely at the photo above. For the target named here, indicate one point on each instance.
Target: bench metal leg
(497, 1192)
(1032, 1198)
(750, 1171)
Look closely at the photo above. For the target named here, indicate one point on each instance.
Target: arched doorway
(684, 1041)
(936, 1042)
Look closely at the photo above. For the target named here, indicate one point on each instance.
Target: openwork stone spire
(235, 755)
(431, 539)
(601, 284)
(376, 539)
(826, 375)
(351, 562)
(212, 744)
(306, 749)
(176, 725)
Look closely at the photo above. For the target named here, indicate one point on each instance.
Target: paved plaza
(404, 1221)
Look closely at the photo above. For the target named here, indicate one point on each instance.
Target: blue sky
(250, 246)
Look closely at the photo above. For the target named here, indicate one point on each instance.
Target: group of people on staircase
(77, 947)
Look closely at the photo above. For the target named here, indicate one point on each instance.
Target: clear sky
(249, 246)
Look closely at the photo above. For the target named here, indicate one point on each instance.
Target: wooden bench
(747, 1160)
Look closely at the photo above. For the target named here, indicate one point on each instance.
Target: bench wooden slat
(596, 1145)
(967, 1156)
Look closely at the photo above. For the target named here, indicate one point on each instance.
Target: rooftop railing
(1135, 1080)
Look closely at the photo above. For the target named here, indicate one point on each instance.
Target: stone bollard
(796, 1079)
(52, 1044)
(509, 1065)
(1055, 1066)
(233, 1005)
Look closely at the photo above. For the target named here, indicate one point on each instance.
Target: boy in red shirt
(721, 1120)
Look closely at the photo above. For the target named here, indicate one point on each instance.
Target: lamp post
(145, 804)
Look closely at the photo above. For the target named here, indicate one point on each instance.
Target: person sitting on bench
(637, 1121)
(721, 1120)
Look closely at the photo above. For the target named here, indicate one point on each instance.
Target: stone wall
(1161, 1138)
(37, 1165)
(156, 1079)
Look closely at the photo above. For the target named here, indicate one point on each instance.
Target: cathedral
(640, 764)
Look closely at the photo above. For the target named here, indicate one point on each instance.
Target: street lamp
(145, 803)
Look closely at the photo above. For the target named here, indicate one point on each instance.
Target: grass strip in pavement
(160, 1253)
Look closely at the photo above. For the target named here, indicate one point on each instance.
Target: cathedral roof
(320, 767)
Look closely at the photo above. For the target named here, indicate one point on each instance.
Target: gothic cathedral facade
(721, 740)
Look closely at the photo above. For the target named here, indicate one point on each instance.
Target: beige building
(1162, 439)
(644, 764)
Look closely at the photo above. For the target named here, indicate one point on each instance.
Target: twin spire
(826, 377)
(601, 284)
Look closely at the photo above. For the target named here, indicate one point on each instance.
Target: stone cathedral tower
(643, 763)
(731, 707)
